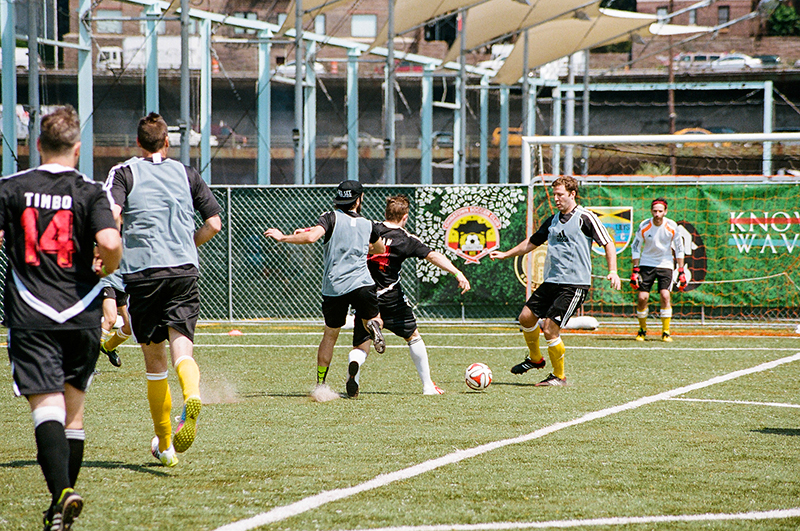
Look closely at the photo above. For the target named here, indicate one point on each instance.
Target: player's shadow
(149, 468)
(514, 384)
(264, 394)
(791, 432)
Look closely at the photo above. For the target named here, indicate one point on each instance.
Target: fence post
(766, 163)
(230, 255)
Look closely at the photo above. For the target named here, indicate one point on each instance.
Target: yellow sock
(531, 336)
(556, 351)
(104, 336)
(322, 373)
(666, 317)
(643, 323)
(160, 408)
(188, 376)
(115, 340)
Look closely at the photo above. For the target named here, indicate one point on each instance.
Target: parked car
(288, 69)
(699, 131)
(694, 61)
(768, 61)
(442, 139)
(364, 140)
(174, 135)
(514, 136)
(735, 61)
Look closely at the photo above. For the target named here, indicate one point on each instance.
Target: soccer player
(396, 312)
(567, 276)
(115, 302)
(652, 250)
(52, 217)
(346, 282)
(157, 198)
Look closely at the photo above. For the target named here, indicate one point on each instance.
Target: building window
(108, 26)
(723, 15)
(248, 16)
(364, 26)
(662, 13)
(319, 24)
(693, 17)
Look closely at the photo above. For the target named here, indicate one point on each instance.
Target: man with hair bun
(157, 198)
(655, 242)
(60, 237)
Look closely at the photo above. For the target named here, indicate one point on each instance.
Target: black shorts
(110, 292)
(364, 300)
(158, 304)
(557, 302)
(42, 361)
(649, 276)
(397, 315)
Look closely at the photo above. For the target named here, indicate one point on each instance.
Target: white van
(694, 61)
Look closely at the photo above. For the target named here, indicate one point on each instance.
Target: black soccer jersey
(50, 216)
(400, 244)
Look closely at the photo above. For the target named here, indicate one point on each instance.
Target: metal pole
(264, 103)
(766, 164)
(504, 96)
(569, 116)
(673, 161)
(525, 86)
(484, 131)
(585, 113)
(151, 57)
(205, 100)
(297, 134)
(426, 155)
(460, 175)
(310, 119)
(186, 119)
(85, 91)
(389, 140)
(352, 114)
(33, 83)
(8, 23)
(555, 161)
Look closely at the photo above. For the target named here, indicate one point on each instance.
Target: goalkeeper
(656, 240)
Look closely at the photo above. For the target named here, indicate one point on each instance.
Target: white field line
(482, 348)
(594, 522)
(738, 402)
(491, 334)
(312, 502)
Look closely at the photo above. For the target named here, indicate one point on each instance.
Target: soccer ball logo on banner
(472, 232)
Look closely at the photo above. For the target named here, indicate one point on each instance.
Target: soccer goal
(736, 199)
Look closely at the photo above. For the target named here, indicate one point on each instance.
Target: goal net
(736, 199)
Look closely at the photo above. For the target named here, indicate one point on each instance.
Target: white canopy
(560, 38)
(493, 19)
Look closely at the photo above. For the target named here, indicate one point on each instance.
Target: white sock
(419, 355)
(359, 356)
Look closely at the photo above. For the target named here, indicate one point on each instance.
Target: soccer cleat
(167, 457)
(352, 384)
(435, 390)
(666, 337)
(187, 427)
(527, 365)
(641, 335)
(113, 356)
(374, 330)
(552, 380)
(63, 513)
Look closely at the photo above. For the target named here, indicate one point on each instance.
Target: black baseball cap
(347, 192)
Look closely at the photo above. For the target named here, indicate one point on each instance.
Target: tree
(784, 22)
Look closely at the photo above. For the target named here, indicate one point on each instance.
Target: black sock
(75, 439)
(53, 456)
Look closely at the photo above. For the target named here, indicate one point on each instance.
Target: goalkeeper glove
(635, 278)
(682, 282)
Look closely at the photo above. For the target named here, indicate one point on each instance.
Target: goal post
(736, 198)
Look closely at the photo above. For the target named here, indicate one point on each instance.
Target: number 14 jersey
(50, 216)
